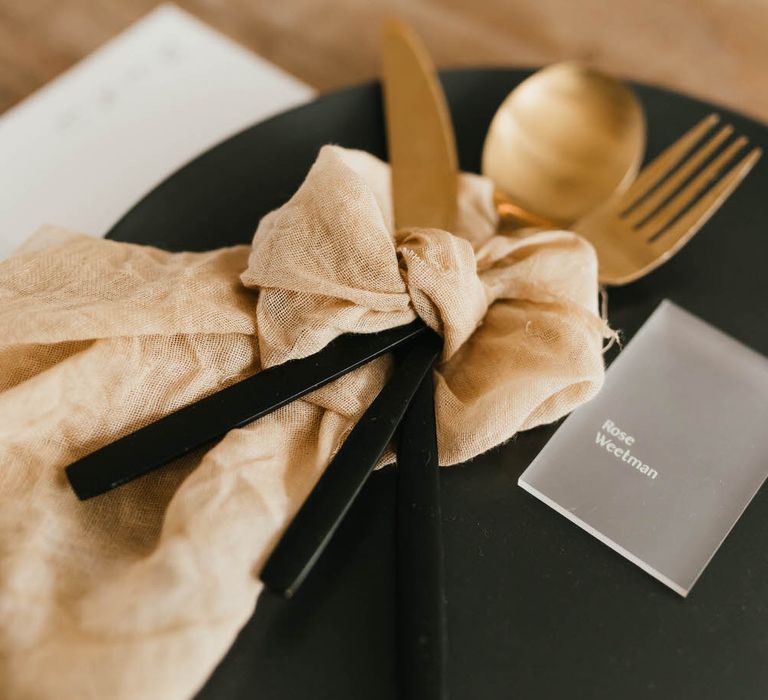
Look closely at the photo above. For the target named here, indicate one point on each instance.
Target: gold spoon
(563, 142)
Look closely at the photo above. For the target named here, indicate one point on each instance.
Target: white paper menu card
(86, 147)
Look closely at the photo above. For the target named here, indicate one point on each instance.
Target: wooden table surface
(715, 49)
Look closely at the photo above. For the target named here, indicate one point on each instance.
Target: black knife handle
(317, 520)
(420, 569)
(212, 417)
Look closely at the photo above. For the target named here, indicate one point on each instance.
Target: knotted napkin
(138, 593)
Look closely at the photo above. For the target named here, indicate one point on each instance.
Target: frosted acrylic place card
(661, 464)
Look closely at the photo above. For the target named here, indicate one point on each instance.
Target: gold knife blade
(421, 145)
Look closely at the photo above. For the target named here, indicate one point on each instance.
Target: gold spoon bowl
(563, 142)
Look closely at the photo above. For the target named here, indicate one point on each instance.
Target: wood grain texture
(714, 49)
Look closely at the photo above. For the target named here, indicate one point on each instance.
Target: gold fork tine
(648, 205)
(667, 160)
(688, 224)
(661, 219)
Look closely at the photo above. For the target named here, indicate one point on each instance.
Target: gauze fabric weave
(138, 593)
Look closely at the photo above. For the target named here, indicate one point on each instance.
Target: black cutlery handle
(317, 520)
(420, 570)
(212, 417)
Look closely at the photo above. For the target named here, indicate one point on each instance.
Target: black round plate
(537, 607)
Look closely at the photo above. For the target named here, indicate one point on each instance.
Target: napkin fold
(138, 593)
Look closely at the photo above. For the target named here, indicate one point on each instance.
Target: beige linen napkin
(139, 593)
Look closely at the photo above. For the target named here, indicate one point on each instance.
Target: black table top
(537, 608)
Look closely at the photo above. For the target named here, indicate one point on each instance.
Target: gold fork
(641, 229)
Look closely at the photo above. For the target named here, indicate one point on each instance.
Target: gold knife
(422, 149)
(424, 172)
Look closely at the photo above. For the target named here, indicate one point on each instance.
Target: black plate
(537, 607)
